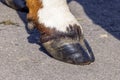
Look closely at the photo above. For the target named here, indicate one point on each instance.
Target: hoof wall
(70, 51)
(75, 54)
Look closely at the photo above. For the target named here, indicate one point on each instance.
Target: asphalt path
(22, 58)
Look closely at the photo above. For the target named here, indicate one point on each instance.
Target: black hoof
(70, 51)
(76, 54)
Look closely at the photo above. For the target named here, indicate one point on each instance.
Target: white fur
(56, 14)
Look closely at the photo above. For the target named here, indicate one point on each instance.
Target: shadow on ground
(34, 35)
(105, 13)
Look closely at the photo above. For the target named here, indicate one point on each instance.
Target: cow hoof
(70, 51)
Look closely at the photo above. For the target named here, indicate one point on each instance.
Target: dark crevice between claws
(91, 55)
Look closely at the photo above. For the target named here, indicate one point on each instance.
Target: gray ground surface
(22, 59)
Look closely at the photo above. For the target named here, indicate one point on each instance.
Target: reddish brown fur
(34, 6)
